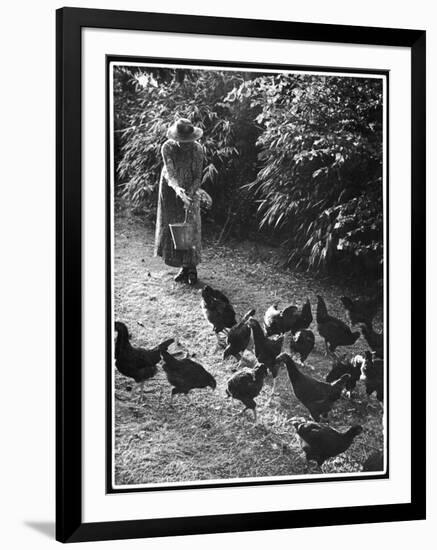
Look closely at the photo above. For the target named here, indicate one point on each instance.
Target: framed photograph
(241, 274)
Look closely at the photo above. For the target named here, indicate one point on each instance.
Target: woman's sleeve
(169, 166)
(198, 166)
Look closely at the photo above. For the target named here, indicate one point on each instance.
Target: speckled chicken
(185, 374)
(351, 366)
(334, 331)
(278, 321)
(320, 442)
(266, 349)
(372, 374)
(217, 309)
(238, 337)
(318, 397)
(246, 384)
(137, 363)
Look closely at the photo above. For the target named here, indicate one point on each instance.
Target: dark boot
(192, 276)
(182, 276)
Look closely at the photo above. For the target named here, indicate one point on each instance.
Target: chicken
(334, 331)
(318, 397)
(374, 339)
(217, 309)
(280, 321)
(320, 442)
(346, 366)
(238, 337)
(248, 360)
(246, 384)
(372, 373)
(374, 462)
(266, 349)
(361, 310)
(305, 318)
(302, 343)
(137, 363)
(185, 374)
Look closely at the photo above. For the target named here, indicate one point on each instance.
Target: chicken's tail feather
(248, 315)
(356, 335)
(163, 346)
(322, 310)
(341, 381)
(165, 356)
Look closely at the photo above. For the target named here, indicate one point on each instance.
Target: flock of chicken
(285, 340)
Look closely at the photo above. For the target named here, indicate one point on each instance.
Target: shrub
(296, 157)
(319, 183)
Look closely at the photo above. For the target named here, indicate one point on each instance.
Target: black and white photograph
(248, 274)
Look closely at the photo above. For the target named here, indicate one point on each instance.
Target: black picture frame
(110, 264)
(69, 524)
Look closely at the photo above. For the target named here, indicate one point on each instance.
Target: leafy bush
(320, 177)
(297, 157)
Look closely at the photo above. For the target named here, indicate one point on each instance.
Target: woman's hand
(184, 197)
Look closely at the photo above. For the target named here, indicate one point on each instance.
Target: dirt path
(204, 439)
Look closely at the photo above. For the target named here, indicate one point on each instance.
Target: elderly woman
(179, 191)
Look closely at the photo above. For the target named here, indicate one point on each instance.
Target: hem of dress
(175, 264)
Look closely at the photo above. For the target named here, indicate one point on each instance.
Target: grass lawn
(204, 438)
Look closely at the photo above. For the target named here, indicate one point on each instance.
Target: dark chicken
(334, 331)
(247, 384)
(361, 310)
(318, 397)
(289, 319)
(372, 373)
(266, 349)
(137, 363)
(343, 366)
(302, 343)
(305, 318)
(238, 337)
(185, 374)
(320, 442)
(217, 309)
(374, 462)
(374, 339)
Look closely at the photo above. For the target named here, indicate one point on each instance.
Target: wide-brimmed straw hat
(182, 130)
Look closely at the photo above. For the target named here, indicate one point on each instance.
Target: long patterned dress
(183, 164)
